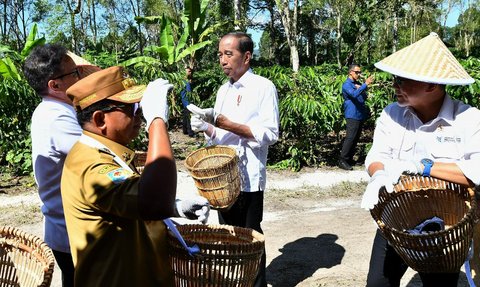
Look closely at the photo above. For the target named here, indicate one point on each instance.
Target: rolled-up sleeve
(265, 127)
(471, 161)
(380, 149)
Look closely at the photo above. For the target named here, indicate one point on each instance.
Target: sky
(453, 17)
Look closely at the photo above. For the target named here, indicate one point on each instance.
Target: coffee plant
(310, 104)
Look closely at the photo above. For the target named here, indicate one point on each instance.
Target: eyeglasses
(357, 72)
(132, 110)
(399, 81)
(76, 72)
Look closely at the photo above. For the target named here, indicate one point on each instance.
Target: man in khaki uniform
(106, 201)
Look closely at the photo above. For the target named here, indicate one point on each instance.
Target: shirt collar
(122, 151)
(242, 82)
(447, 111)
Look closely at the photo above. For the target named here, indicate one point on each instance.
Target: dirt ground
(316, 233)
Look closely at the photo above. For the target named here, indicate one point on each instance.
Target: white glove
(207, 115)
(154, 101)
(195, 208)
(395, 168)
(197, 124)
(379, 179)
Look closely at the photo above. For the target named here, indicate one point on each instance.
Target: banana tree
(194, 36)
(11, 59)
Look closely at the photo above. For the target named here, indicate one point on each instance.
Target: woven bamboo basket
(139, 160)
(25, 260)
(229, 256)
(415, 199)
(214, 170)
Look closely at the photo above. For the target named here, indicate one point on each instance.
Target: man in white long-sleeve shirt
(246, 118)
(425, 132)
(50, 72)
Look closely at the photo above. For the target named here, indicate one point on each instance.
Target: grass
(17, 215)
(344, 189)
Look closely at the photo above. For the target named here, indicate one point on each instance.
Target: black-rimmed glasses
(131, 110)
(357, 72)
(75, 72)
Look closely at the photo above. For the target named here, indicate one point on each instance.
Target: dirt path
(316, 234)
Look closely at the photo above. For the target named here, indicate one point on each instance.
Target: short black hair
(42, 64)
(245, 43)
(352, 66)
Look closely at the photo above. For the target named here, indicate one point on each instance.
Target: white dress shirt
(251, 101)
(454, 136)
(54, 130)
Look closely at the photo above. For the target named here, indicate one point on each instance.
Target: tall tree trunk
(274, 48)
(93, 23)
(72, 11)
(395, 31)
(237, 7)
(3, 31)
(339, 39)
(136, 11)
(450, 5)
(290, 26)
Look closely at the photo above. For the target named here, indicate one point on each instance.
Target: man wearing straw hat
(50, 70)
(425, 132)
(246, 118)
(106, 201)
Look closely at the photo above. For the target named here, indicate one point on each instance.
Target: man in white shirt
(50, 71)
(425, 132)
(246, 118)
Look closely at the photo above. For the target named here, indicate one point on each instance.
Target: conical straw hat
(85, 67)
(427, 60)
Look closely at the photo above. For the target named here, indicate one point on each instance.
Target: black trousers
(247, 211)
(353, 132)
(387, 268)
(186, 127)
(65, 263)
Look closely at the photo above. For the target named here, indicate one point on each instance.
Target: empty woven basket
(139, 160)
(415, 199)
(25, 260)
(229, 256)
(214, 170)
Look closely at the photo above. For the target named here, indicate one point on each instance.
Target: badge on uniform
(119, 175)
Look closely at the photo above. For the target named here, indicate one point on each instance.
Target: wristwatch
(427, 166)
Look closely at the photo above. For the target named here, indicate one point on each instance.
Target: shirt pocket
(447, 147)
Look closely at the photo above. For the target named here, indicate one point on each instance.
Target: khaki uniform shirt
(109, 241)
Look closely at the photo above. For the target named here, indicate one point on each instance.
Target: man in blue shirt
(187, 129)
(354, 95)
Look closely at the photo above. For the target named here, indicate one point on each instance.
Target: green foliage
(311, 114)
(11, 59)
(17, 102)
(310, 102)
(194, 34)
(468, 94)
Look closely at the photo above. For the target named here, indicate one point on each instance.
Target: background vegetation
(304, 49)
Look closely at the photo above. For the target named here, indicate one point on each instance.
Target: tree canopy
(295, 33)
